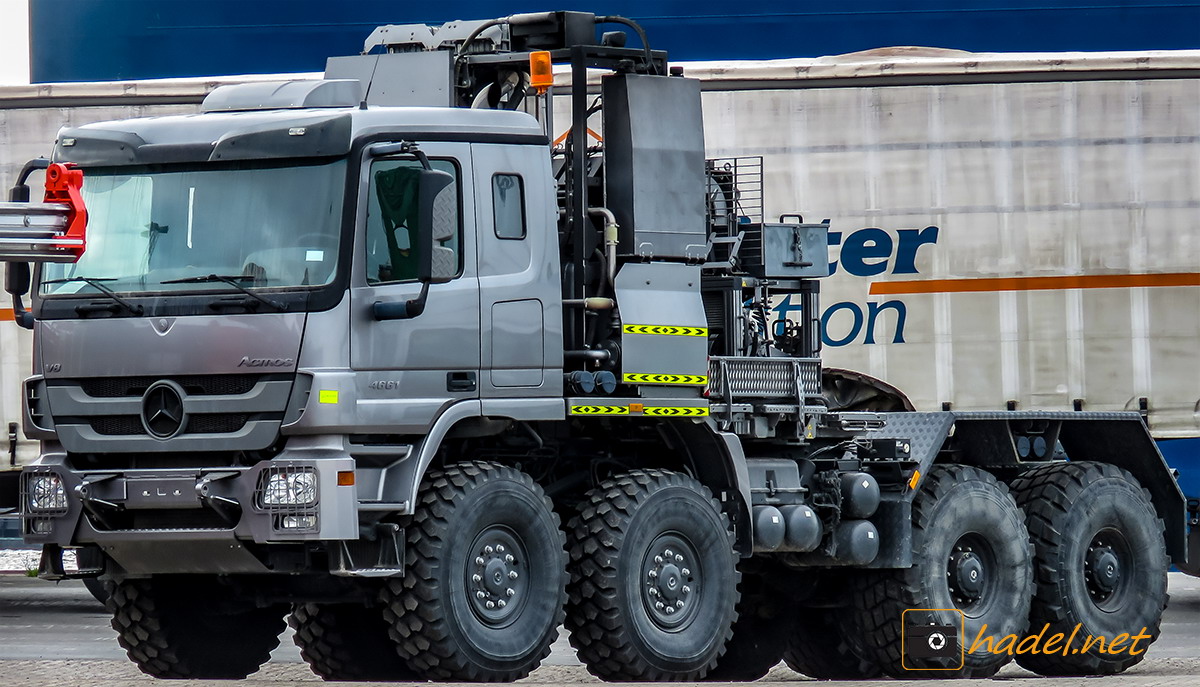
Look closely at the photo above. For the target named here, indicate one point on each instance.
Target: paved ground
(58, 636)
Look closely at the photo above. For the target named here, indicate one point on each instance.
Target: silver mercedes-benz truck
(385, 356)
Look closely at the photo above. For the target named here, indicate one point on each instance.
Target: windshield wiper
(98, 284)
(232, 280)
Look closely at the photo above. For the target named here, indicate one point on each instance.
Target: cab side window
(392, 207)
(508, 206)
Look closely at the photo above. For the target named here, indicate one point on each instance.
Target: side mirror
(438, 221)
(16, 278)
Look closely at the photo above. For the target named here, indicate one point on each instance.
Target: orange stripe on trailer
(6, 315)
(992, 284)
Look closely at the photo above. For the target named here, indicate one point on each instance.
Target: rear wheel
(971, 567)
(485, 575)
(1101, 564)
(348, 643)
(654, 578)
(185, 628)
(817, 646)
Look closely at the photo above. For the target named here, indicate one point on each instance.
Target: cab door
(408, 370)
(520, 292)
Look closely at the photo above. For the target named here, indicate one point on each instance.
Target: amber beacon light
(541, 72)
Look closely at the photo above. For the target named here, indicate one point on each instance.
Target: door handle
(460, 381)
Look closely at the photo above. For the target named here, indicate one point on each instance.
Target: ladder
(51, 231)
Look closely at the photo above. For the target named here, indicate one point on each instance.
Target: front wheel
(483, 592)
(186, 628)
(1101, 565)
(348, 643)
(654, 579)
(971, 569)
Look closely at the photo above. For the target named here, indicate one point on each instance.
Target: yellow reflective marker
(328, 396)
(664, 330)
(599, 410)
(647, 378)
(676, 411)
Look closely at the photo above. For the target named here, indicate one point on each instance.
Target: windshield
(266, 225)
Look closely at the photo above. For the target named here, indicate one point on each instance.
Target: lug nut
(510, 592)
(685, 571)
(652, 574)
(488, 549)
(687, 589)
(479, 560)
(477, 578)
(512, 574)
(659, 605)
(653, 591)
(668, 553)
(501, 603)
(678, 558)
(499, 548)
(491, 604)
(679, 605)
(670, 610)
(509, 559)
(658, 559)
(480, 595)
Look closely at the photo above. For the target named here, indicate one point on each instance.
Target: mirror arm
(21, 316)
(401, 310)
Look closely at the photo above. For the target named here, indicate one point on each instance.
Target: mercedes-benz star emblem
(162, 410)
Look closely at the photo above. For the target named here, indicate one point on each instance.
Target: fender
(402, 480)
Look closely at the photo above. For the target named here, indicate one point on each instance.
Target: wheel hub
(1102, 569)
(670, 581)
(496, 575)
(968, 573)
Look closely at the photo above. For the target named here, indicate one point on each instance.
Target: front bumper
(227, 505)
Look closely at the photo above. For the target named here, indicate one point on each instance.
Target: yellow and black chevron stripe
(646, 378)
(599, 410)
(664, 330)
(675, 411)
(652, 411)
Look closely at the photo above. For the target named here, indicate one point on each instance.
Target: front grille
(117, 425)
(195, 385)
(216, 423)
(131, 425)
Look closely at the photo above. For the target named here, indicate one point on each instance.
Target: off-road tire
(817, 646)
(96, 588)
(760, 631)
(433, 610)
(958, 507)
(348, 643)
(172, 629)
(621, 527)
(1070, 507)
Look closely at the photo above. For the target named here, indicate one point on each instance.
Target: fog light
(298, 522)
(290, 488)
(46, 493)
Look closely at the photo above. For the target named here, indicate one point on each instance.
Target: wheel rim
(497, 576)
(970, 574)
(671, 578)
(1105, 565)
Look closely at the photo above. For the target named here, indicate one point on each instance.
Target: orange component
(914, 480)
(636, 407)
(346, 478)
(63, 184)
(541, 71)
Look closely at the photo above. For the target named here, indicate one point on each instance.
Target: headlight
(46, 493)
(290, 488)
